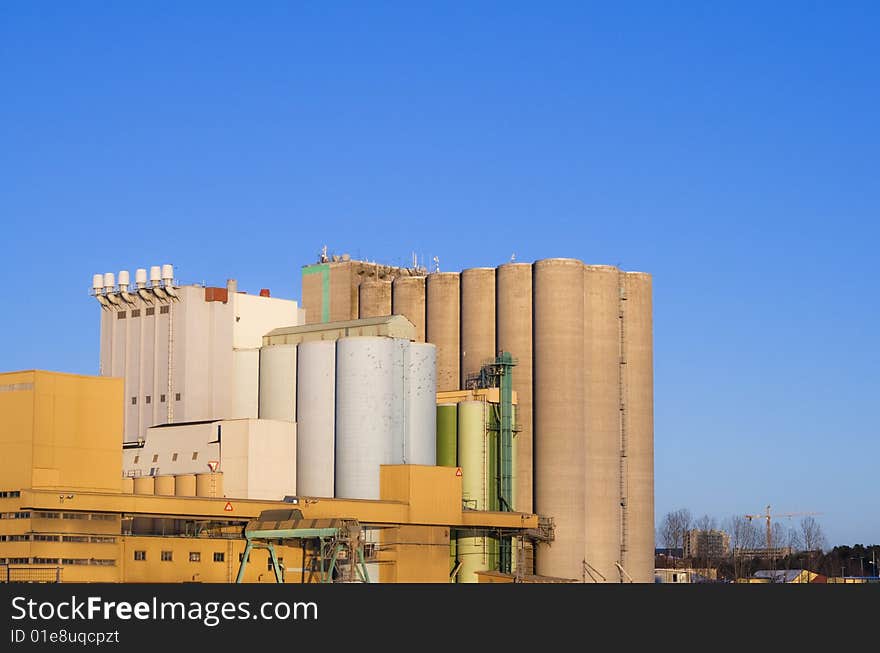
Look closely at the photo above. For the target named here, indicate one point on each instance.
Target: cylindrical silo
(639, 425)
(473, 454)
(513, 316)
(447, 435)
(316, 418)
(477, 320)
(128, 485)
(185, 485)
(408, 299)
(442, 326)
(558, 301)
(374, 298)
(421, 405)
(145, 485)
(602, 419)
(474, 553)
(209, 484)
(367, 402)
(278, 382)
(164, 486)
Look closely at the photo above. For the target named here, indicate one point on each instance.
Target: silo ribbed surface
(164, 486)
(144, 485)
(473, 454)
(316, 418)
(366, 405)
(408, 299)
(602, 418)
(558, 296)
(421, 404)
(209, 484)
(477, 320)
(447, 435)
(639, 403)
(374, 298)
(278, 382)
(513, 293)
(442, 326)
(185, 485)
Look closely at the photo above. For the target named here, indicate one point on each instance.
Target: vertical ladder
(622, 404)
(170, 362)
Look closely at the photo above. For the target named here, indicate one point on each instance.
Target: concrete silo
(559, 438)
(316, 418)
(638, 431)
(477, 320)
(442, 326)
(513, 291)
(375, 298)
(602, 420)
(408, 299)
(278, 382)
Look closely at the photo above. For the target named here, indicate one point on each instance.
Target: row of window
(11, 494)
(195, 456)
(41, 537)
(121, 315)
(98, 562)
(148, 399)
(196, 556)
(59, 515)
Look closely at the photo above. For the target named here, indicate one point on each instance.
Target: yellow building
(64, 515)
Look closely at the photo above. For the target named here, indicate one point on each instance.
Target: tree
(673, 527)
(811, 536)
(743, 535)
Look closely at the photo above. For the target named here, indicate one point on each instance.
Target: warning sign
(228, 507)
(213, 465)
(458, 471)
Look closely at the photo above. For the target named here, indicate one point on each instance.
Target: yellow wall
(60, 431)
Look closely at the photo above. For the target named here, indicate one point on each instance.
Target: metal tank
(477, 320)
(473, 454)
(447, 435)
(639, 423)
(367, 401)
(316, 418)
(602, 421)
(474, 553)
(164, 486)
(513, 313)
(558, 301)
(420, 445)
(185, 485)
(278, 382)
(374, 298)
(209, 484)
(442, 326)
(145, 485)
(408, 299)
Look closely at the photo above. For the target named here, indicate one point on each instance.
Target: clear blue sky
(729, 148)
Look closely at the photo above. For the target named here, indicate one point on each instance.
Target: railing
(29, 574)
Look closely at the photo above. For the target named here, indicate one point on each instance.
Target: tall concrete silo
(477, 320)
(374, 298)
(368, 401)
(638, 435)
(602, 420)
(442, 326)
(316, 418)
(278, 382)
(420, 444)
(513, 291)
(559, 439)
(408, 299)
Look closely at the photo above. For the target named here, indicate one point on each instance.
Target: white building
(187, 353)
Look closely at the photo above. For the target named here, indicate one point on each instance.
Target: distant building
(706, 544)
(789, 576)
(685, 575)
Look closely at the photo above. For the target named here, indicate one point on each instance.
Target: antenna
(436, 264)
(513, 257)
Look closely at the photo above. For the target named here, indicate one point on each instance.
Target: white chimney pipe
(155, 275)
(110, 288)
(140, 277)
(97, 283)
(123, 280)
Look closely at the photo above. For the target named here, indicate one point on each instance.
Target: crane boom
(767, 516)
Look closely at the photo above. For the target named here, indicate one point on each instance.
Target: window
(136, 312)
(167, 556)
(195, 455)
(134, 401)
(219, 557)
(45, 561)
(147, 398)
(104, 517)
(136, 459)
(74, 515)
(269, 563)
(48, 538)
(140, 555)
(9, 495)
(121, 315)
(75, 538)
(74, 561)
(14, 538)
(47, 515)
(17, 561)
(103, 562)
(174, 457)
(163, 310)
(195, 556)
(162, 398)
(15, 515)
(155, 457)
(151, 311)
(103, 540)
(177, 396)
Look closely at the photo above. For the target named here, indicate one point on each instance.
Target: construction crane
(767, 516)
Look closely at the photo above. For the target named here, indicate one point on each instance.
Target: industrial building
(709, 544)
(582, 336)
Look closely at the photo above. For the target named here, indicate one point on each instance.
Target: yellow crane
(766, 516)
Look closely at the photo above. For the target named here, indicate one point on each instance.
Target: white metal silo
(316, 418)
(420, 446)
(365, 413)
(278, 382)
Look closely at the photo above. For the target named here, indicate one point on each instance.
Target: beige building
(711, 544)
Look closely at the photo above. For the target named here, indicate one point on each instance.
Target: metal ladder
(621, 395)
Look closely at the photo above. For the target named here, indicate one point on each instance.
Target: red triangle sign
(228, 507)
(458, 472)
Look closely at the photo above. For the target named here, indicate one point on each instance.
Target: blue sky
(731, 149)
